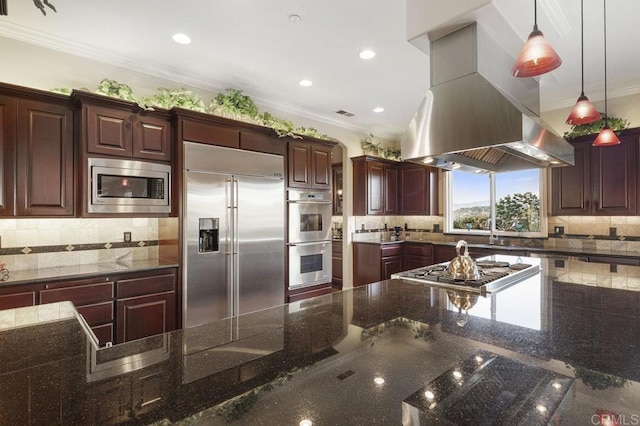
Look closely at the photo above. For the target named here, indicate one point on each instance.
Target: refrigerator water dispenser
(209, 236)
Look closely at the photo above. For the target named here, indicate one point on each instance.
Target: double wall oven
(309, 238)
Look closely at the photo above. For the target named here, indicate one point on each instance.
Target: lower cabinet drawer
(391, 250)
(79, 295)
(145, 285)
(98, 313)
(17, 300)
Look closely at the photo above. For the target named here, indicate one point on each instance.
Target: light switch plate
(127, 237)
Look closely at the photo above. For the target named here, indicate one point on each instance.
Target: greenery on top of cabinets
(234, 102)
(181, 98)
(371, 148)
(118, 90)
(615, 123)
(230, 104)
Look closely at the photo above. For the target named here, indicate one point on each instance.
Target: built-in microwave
(126, 186)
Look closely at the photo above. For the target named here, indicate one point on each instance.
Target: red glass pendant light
(537, 56)
(583, 112)
(606, 137)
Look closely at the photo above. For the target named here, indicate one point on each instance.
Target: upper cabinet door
(615, 176)
(604, 180)
(108, 131)
(321, 167)
(151, 138)
(309, 165)
(8, 107)
(375, 188)
(44, 159)
(391, 181)
(571, 185)
(299, 165)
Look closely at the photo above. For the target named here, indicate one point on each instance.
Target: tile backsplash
(45, 243)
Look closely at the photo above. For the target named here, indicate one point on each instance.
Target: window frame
(448, 211)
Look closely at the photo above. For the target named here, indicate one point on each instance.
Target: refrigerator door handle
(230, 244)
(235, 241)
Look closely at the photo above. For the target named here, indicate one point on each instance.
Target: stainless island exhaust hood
(476, 116)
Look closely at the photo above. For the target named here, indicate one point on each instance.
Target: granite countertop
(535, 250)
(558, 347)
(84, 271)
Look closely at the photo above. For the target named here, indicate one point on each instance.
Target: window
(512, 200)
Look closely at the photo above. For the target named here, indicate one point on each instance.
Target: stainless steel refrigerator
(234, 232)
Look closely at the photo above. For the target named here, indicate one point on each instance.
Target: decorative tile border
(596, 237)
(74, 247)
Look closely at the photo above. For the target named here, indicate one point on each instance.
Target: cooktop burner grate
(493, 275)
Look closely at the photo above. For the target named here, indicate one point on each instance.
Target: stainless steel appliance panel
(208, 273)
(260, 243)
(234, 232)
(309, 221)
(126, 186)
(309, 263)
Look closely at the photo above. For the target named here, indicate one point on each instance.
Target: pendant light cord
(582, 43)
(606, 113)
(535, 15)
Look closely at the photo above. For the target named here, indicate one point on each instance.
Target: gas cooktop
(496, 273)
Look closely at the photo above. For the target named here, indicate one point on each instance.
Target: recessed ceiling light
(294, 18)
(305, 422)
(306, 83)
(378, 109)
(181, 38)
(367, 54)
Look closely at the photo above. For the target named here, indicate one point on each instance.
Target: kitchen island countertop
(385, 353)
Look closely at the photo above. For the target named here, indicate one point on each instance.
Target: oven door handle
(307, 202)
(312, 243)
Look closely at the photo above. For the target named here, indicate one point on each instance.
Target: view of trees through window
(516, 199)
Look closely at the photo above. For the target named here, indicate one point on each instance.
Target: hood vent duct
(476, 116)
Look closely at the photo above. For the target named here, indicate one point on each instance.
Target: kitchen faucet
(492, 237)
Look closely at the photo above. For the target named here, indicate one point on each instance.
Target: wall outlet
(127, 237)
(558, 230)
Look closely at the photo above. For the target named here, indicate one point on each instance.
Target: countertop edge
(25, 277)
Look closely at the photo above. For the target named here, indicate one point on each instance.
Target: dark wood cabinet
(384, 187)
(418, 190)
(146, 305)
(417, 255)
(337, 189)
(36, 154)
(8, 109)
(213, 130)
(443, 253)
(604, 180)
(117, 308)
(93, 298)
(116, 128)
(375, 262)
(375, 186)
(12, 297)
(336, 264)
(309, 165)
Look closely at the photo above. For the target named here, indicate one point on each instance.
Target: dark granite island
(559, 347)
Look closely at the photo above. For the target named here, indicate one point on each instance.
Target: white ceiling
(254, 46)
